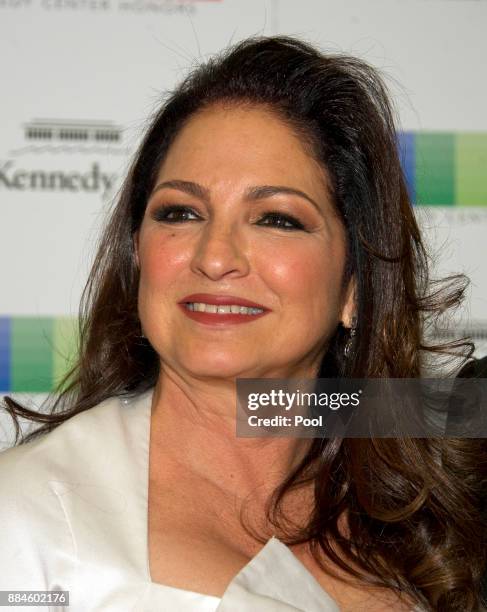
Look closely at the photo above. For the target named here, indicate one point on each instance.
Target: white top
(74, 517)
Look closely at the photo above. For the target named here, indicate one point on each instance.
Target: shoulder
(33, 473)
(34, 531)
(27, 464)
(84, 448)
(95, 446)
(54, 485)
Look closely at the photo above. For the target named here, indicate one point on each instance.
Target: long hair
(413, 505)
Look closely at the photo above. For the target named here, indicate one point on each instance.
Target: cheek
(161, 260)
(306, 276)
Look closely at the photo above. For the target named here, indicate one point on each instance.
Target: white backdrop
(99, 67)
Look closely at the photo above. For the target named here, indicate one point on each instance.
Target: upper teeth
(222, 309)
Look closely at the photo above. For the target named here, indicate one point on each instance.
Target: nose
(220, 252)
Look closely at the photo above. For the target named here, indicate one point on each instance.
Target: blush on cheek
(300, 272)
(286, 267)
(162, 260)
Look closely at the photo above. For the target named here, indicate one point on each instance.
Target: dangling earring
(349, 344)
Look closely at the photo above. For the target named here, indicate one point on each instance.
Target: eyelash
(161, 214)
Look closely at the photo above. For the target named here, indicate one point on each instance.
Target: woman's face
(254, 220)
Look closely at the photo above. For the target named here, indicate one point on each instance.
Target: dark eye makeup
(173, 213)
(176, 213)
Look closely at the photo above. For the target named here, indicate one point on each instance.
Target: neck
(193, 427)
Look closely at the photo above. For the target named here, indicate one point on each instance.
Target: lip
(211, 298)
(220, 320)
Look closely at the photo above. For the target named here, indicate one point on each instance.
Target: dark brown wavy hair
(414, 505)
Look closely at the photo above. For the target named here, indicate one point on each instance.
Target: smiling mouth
(219, 315)
(222, 309)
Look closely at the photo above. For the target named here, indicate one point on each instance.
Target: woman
(264, 231)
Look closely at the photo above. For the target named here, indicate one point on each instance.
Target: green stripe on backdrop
(435, 173)
(65, 347)
(471, 169)
(42, 350)
(31, 349)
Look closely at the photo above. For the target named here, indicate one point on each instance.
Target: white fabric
(73, 517)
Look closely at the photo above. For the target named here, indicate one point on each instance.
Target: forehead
(242, 142)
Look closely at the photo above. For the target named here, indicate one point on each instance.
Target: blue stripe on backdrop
(406, 144)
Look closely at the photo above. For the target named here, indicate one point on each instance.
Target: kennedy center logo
(64, 156)
(93, 179)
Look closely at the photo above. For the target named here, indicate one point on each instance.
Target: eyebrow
(253, 193)
(267, 191)
(194, 189)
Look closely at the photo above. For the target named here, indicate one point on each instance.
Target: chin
(224, 366)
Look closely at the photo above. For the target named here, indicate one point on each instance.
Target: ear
(135, 241)
(349, 308)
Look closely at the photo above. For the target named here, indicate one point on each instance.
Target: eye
(174, 213)
(281, 221)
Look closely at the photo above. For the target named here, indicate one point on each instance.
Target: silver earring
(349, 344)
